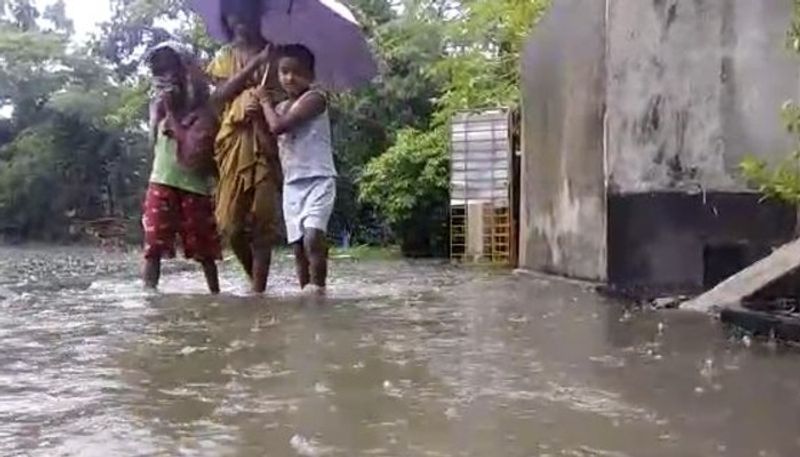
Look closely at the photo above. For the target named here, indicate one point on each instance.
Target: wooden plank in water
(737, 288)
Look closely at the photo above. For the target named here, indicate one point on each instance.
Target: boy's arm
(265, 136)
(230, 88)
(307, 107)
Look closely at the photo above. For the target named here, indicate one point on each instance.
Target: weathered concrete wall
(693, 86)
(563, 214)
(640, 111)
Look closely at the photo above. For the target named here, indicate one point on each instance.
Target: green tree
(409, 184)
(365, 122)
(75, 146)
(480, 43)
(72, 148)
(781, 181)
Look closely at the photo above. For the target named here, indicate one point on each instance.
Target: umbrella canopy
(343, 57)
(211, 12)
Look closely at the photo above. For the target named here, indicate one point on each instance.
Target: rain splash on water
(404, 359)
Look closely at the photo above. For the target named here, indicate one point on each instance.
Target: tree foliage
(412, 177)
(782, 180)
(75, 146)
(479, 44)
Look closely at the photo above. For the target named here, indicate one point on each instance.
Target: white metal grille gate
(480, 187)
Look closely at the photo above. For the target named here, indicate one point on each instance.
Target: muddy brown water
(405, 359)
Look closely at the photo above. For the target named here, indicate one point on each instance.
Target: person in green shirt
(178, 202)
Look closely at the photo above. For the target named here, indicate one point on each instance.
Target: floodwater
(405, 359)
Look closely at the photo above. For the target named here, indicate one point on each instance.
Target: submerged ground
(405, 359)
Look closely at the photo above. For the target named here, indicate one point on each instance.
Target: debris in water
(608, 361)
(391, 390)
(189, 350)
(707, 371)
(238, 345)
(179, 392)
(321, 388)
(262, 323)
(668, 302)
(305, 447)
(772, 342)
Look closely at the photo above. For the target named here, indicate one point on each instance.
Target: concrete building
(636, 115)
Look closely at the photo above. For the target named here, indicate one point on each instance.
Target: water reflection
(404, 359)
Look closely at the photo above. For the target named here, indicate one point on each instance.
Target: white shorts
(307, 203)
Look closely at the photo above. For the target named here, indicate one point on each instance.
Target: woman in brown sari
(246, 152)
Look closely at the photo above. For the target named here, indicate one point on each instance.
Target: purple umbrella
(211, 12)
(343, 56)
(344, 59)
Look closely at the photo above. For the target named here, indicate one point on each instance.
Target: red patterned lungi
(169, 212)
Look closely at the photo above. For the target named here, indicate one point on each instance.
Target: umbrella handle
(264, 78)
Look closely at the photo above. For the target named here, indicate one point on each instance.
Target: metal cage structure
(481, 217)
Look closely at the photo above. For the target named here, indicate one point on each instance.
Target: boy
(304, 143)
(178, 199)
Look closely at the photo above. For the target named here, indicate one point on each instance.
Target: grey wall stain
(563, 189)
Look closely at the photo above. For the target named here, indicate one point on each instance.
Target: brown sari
(249, 186)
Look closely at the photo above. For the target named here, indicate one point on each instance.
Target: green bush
(409, 185)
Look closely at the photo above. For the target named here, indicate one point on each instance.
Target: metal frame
(485, 165)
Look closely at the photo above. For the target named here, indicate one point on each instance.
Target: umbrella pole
(266, 73)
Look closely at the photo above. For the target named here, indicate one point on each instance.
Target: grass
(366, 253)
(356, 253)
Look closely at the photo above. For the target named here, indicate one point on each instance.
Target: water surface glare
(404, 359)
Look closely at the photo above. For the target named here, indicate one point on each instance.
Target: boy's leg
(211, 274)
(318, 207)
(316, 248)
(301, 264)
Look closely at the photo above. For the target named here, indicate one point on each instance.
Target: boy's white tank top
(307, 152)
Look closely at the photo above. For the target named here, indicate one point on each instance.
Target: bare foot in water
(314, 291)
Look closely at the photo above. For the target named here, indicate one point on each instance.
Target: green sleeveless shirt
(168, 172)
